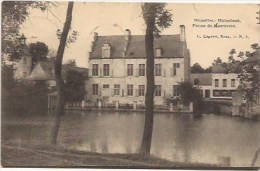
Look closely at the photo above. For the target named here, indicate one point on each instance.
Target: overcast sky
(114, 18)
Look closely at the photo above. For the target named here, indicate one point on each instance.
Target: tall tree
(39, 51)
(196, 68)
(74, 88)
(156, 17)
(58, 76)
(14, 14)
(248, 71)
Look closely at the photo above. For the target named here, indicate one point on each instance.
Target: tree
(58, 76)
(188, 94)
(71, 63)
(248, 72)
(74, 87)
(39, 52)
(196, 68)
(14, 14)
(217, 61)
(156, 17)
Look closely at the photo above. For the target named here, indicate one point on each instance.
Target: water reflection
(180, 138)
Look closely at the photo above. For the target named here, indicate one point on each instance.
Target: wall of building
(118, 75)
(23, 67)
(221, 77)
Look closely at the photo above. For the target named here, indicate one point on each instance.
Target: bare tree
(59, 81)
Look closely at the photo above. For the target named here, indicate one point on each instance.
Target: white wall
(118, 75)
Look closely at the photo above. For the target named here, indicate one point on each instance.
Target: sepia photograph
(130, 85)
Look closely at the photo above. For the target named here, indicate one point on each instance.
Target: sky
(114, 18)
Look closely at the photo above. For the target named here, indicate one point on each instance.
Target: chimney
(95, 36)
(127, 40)
(127, 34)
(183, 34)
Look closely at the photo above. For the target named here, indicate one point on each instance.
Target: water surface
(175, 137)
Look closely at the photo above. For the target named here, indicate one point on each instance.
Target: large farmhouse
(117, 67)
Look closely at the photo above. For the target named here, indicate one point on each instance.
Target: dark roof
(47, 68)
(171, 46)
(205, 79)
(22, 37)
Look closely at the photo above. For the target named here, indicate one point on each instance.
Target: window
(175, 66)
(117, 89)
(158, 91)
(176, 91)
(95, 89)
(106, 51)
(106, 70)
(141, 69)
(130, 89)
(105, 85)
(158, 69)
(216, 83)
(158, 52)
(94, 69)
(141, 89)
(130, 69)
(224, 82)
(233, 82)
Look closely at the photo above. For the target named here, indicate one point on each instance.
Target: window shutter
(171, 72)
(122, 94)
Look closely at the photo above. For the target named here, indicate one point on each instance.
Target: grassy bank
(14, 155)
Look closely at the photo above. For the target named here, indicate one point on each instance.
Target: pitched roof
(48, 68)
(205, 79)
(171, 46)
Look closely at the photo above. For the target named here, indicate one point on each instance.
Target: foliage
(196, 68)
(187, 92)
(71, 39)
(39, 52)
(14, 14)
(71, 63)
(22, 97)
(217, 61)
(74, 87)
(156, 16)
(248, 72)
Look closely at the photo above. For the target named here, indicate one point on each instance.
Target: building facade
(219, 84)
(117, 67)
(24, 65)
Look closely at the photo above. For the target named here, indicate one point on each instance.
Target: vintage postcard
(130, 85)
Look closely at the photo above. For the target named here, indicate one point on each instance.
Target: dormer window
(158, 52)
(106, 50)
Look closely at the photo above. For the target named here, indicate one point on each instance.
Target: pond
(175, 137)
